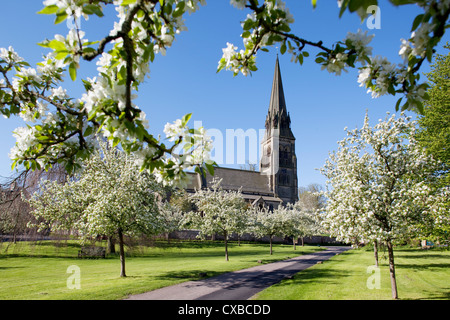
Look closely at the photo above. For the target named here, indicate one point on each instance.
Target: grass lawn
(421, 274)
(38, 270)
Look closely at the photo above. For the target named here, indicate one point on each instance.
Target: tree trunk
(270, 245)
(111, 245)
(167, 234)
(303, 242)
(375, 252)
(392, 270)
(225, 236)
(122, 254)
(293, 242)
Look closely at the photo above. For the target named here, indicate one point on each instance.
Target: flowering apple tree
(382, 187)
(269, 22)
(110, 196)
(267, 223)
(60, 126)
(218, 211)
(300, 223)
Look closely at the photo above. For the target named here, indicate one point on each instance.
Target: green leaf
(248, 24)
(179, 10)
(344, 5)
(314, 3)
(397, 105)
(128, 2)
(43, 138)
(61, 55)
(88, 131)
(73, 71)
(419, 106)
(283, 48)
(60, 17)
(57, 45)
(246, 34)
(210, 168)
(49, 9)
(186, 118)
(13, 165)
(418, 20)
(93, 9)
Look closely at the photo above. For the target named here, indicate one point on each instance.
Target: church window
(283, 178)
(285, 156)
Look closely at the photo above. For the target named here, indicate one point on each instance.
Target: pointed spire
(277, 101)
(278, 117)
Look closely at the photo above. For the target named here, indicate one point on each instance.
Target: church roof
(254, 186)
(249, 181)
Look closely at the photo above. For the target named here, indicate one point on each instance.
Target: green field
(38, 270)
(421, 274)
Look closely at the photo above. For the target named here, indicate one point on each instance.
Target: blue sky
(185, 80)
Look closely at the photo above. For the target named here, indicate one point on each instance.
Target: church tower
(278, 159)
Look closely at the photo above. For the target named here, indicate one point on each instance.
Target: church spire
(278, 159)
(277, 101)
(278, 117)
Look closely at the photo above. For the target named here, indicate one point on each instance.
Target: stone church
(276, 182)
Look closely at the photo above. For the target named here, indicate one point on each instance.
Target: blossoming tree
(270, 23)
(381, 187)
(300, 223)
(110, 196)
(60, 126)
(267, 223)
(218, 211)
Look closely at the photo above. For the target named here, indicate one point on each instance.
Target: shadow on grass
(230, 280)
(313, 276)
(422, 266)
(436, 296)
(258, 277)
(188, 275)
(423, 256)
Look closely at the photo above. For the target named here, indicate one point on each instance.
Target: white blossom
(360, 42)
(420, 39)
(9, 55)
(240, 4)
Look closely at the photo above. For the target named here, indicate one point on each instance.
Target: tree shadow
(313, 275)
(7, 268)
(258, 277)
(422, 266)
(425, 256)
(196, 274)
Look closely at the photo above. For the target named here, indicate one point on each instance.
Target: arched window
(283, 178)
(285, 156)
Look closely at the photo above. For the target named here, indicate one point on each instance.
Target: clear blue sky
(185, 80)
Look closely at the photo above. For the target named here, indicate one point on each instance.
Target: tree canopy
(110, 197)
(434, 124)
(60, 126)
(382, 187)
